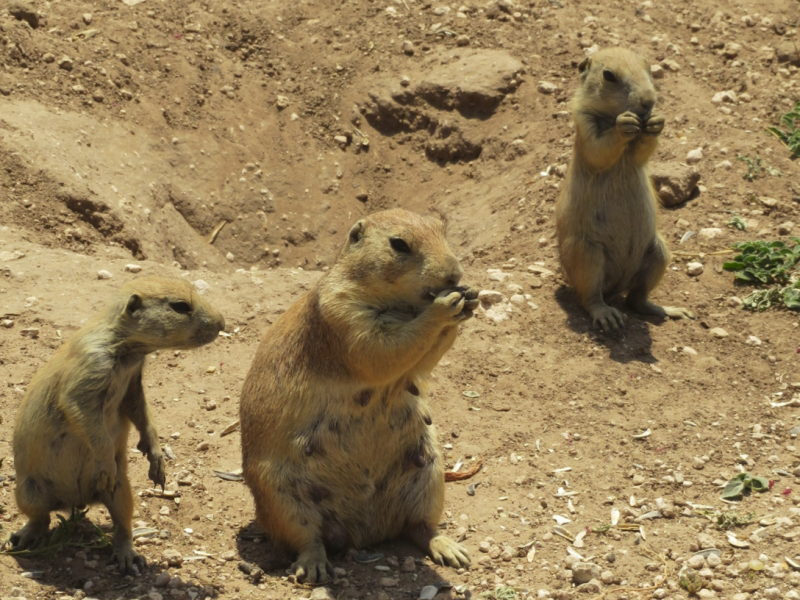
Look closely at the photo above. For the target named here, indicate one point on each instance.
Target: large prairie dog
(337, 442)
(606, 213)
(71, 432)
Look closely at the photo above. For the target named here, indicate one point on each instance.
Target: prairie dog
(338, 447)
(71, 431)
(606, 213)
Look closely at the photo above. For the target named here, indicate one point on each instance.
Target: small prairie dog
(337, 443)
(71, 432)
(606, 212)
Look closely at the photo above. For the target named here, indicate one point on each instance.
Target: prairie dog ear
(584, 65)
(133, 305)
(356, 232)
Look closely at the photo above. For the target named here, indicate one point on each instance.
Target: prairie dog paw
(126, 557)
(158, 468)
(654, 125)
(628, 125)
(449, 304)
(607, 317)
(445, 551)
(676, 312)
(312, 566)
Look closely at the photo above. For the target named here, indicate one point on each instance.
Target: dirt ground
(129, 134)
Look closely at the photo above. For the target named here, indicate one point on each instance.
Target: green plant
(768, 263)
(791, 136)
(729, 520)
(764, 262)
(756, 168)
(692, 582)
(737, 222)
(743, 482)
(65, 536)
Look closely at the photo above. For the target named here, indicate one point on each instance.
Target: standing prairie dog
(71, 432)
(606, 213)
(337, 443)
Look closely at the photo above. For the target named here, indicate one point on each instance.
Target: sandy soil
(129, 134)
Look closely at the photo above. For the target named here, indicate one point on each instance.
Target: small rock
(584, 572)
(694, 156)
(162, 579)
(172, 557)
(785, 228)
(341, 140)
(65, 62)
(387, 582)
(87, 18)
(710, 233)
(203, 446)
(322, 593)
(282, 102)
(731, 49)
(104, 275)
(718, 332)
(676, 183)
(230, 257)
(98, 96)
(590, 587)
(408, 47)
(713, 561)
(7, 323)
(772, 593)
(656, 71)
(725, 164)
(768, 202)
(201, 286)
(691, 352)
(734, 302)
(694, 268)
(408, 565)
(546, 87)
(507, 554)
(728, 96)
(607, 577)
(49, 57)
(696, 561)
(704, 542)
(490, 297)
(31, 332)
(131, 268)
(462, 40)
(639, 479)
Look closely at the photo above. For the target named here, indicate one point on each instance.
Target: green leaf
(759, 484)
(734, 489)
(733, 266)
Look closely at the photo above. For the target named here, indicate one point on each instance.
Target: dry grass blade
(62, 538)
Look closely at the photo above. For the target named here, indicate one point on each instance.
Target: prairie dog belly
(354, 467)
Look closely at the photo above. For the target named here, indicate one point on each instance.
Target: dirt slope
(130, 134)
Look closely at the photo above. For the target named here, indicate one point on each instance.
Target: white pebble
(104, 275)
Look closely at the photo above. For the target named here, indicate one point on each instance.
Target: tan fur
(606, 212)
(71, 432)
(337, 442)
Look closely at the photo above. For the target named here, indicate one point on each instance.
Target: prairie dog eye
(181, 308)
(399, 245)
(609, 76)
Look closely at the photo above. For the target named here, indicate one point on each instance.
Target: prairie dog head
(614, 81)
(400, 257)
(155, 312)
